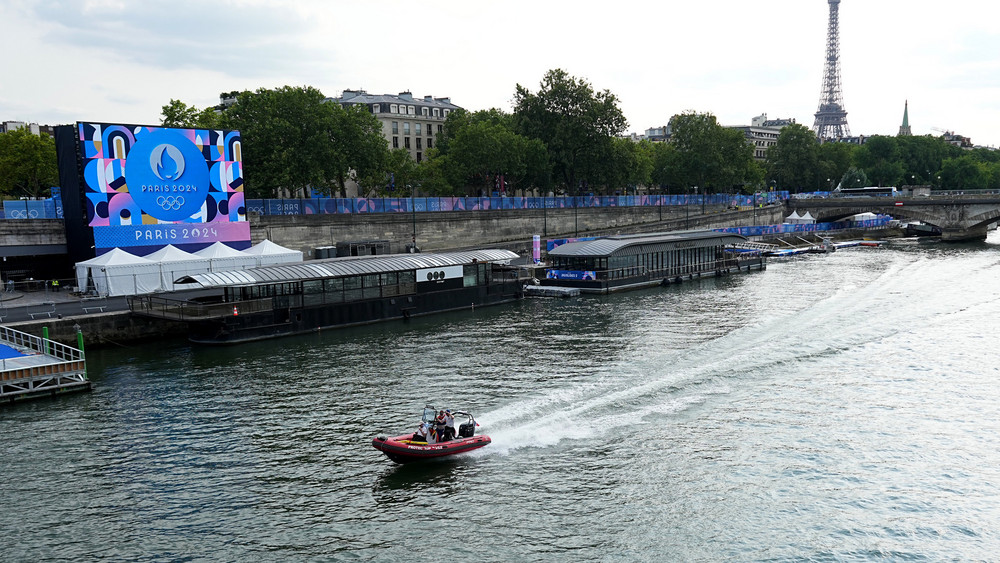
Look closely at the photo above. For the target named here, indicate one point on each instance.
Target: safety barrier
(333, 206)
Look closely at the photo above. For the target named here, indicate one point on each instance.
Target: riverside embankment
(109, 323)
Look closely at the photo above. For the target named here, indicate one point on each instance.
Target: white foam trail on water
(588, 410)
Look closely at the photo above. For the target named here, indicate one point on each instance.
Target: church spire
(904, 129)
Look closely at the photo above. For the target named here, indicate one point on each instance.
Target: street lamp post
(687, 210)
(413, 214)
(576, 204)
(545, 216)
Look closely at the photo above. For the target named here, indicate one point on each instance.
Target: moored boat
(414, 446)
(277, 300)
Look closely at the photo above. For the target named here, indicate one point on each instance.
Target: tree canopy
(575, 123)
(709, 156)
(294, 139)
(27, 164)
(474, 149)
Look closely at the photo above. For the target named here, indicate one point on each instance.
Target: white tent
(174, 263)
(118, 273)
(793, 218)
(807, 218)
(222, 258)
(267, 252)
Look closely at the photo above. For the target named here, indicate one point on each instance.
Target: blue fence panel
(52, 208)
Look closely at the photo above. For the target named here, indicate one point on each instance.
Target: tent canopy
(175, 263)
(267, 252)
(221, 258)
(117, 272)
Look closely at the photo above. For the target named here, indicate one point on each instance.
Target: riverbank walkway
(18, 306)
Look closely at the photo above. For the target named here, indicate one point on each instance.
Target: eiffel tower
(831, 118)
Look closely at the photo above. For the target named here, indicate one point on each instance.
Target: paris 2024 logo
(167, 175)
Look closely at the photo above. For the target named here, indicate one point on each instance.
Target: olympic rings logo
(170, 202)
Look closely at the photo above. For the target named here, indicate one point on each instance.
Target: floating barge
(825, 247)
(283, 299)
(31, 367)
(623, 262)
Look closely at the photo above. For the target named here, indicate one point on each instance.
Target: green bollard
(45, 340)
(79, 344)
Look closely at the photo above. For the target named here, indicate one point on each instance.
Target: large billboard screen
(146, 187)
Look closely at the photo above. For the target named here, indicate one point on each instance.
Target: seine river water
(840, 407)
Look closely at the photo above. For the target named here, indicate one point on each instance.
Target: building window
(419, 140)
(395, 142)
(439, 128)
(437, 112)
(395, 128)
(375, 108)
(406, 142)
(419, 157)
(417, 125)
(430, 143)
(446, 113)
(393, 109)
(409, 110)
(423, 112)
(406, 127)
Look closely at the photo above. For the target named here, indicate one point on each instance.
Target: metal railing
(41, 345)
(329, 205)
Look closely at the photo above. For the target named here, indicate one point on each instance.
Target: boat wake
(667, 383)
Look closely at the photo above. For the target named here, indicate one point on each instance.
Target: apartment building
(407, 122)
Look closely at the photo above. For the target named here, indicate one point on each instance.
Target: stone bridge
(960, 217)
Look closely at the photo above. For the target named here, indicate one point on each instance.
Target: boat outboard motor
(466, 429)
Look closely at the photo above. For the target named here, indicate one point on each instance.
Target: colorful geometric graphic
(147, 187)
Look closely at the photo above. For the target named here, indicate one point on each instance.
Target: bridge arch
(959, 217)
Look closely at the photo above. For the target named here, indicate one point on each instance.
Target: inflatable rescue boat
(417, 446)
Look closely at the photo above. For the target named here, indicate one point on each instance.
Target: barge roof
(623, 245)
(346, 266)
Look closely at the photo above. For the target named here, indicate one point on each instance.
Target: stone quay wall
(442, 231)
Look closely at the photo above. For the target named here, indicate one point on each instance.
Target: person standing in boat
(449, 425)
(440, 427)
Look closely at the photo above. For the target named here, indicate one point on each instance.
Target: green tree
(474, 148)
(293, 139)
(835, 159)
(432, 174)
(879, 157)
(399, 177)
(921, 158)
(854, 178)
(964, 173)
(359, 148)
(575, 123)
(27, 164)
(709, 156)
(665, 172)
(178, 114)
(993, 176)
(794, 159)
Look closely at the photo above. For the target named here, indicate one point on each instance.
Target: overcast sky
(122, 60)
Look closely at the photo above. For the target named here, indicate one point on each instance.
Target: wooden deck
(33, 367)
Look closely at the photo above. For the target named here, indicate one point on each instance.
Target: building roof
(348, 266)
(626, 245)
(362, 97)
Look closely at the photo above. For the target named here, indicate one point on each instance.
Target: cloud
(236, 38)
